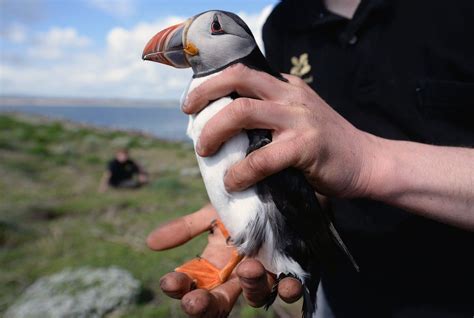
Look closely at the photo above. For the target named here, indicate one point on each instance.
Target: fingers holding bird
(250, 276)
(303, 126)
(215, 303)
(291, 133)
(176, 284)
(257, 284)
(197, 302)
(257, 85)
(242, 113)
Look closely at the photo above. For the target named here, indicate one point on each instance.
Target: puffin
(279, 220)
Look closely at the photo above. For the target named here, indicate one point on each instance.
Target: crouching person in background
(123, 172)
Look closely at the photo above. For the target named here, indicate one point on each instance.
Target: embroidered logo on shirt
(301, 67)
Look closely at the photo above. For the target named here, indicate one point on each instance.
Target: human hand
(308, 134)
(250, 277)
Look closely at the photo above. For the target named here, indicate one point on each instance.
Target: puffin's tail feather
(343, 246)
(274, 292)
(272, 297)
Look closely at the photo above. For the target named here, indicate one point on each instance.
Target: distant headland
(84, 101)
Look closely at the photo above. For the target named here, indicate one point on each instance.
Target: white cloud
(56, 42)
(117, 8)
(116, 70)
(15, 33)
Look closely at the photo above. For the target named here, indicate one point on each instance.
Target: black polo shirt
(400, 70)
(121, 171)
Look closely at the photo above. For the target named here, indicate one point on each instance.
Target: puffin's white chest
(237, 209)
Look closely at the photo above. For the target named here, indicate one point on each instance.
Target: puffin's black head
(206, 42)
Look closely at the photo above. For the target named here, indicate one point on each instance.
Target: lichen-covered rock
(83, 292)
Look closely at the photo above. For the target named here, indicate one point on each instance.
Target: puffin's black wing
(302, 228)
(293, 196)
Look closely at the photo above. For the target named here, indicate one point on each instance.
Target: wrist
(378, 168)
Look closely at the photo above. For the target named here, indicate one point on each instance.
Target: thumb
(181, 230)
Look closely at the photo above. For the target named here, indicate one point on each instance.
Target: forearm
(337, 159)
(433, 181)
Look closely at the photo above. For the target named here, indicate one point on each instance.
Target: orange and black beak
(169, 47)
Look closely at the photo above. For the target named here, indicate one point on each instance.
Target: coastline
(39, 119)
(85, 102)
(162, 122)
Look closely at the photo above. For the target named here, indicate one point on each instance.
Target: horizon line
(22, 100)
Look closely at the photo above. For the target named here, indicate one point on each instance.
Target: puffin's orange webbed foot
(205, 274)
(224, 273)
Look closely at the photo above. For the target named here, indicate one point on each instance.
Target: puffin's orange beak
(168, 47)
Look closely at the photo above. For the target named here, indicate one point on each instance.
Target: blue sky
(91, 48)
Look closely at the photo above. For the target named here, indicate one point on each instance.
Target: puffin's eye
(216, 27)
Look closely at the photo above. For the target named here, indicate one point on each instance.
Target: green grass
(51, 216)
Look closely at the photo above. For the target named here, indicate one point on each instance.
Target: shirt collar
(306, 14)
(309, 14)
(365, 10)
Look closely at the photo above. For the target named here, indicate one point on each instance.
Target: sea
(163, 122)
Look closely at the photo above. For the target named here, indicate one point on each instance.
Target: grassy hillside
(52, 217)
